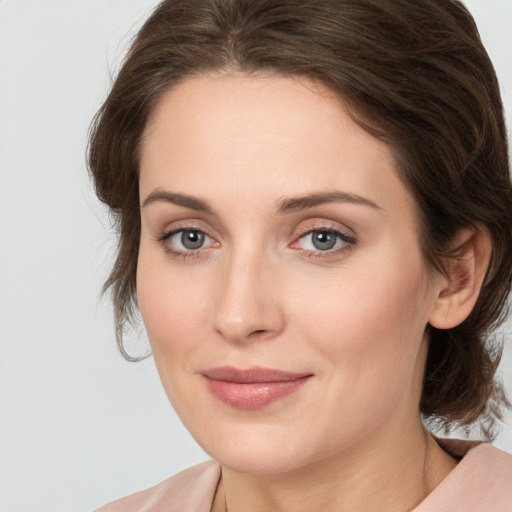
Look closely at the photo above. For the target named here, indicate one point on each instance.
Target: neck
(376, 476)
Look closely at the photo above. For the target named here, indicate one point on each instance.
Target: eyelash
(176, 253)
(347, 242)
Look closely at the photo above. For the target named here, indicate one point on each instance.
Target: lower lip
(253, 395)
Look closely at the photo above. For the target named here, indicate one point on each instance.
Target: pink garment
(481, 482)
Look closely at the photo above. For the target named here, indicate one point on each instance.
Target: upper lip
(251, 375)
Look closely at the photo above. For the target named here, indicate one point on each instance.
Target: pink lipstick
(253, 388)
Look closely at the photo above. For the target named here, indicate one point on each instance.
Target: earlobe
(466, 268)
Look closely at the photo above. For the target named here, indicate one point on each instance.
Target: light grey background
(78, 425)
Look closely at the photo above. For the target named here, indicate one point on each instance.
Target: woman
(315, 216)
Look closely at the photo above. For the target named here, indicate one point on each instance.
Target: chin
(260, 462)
(258, 449)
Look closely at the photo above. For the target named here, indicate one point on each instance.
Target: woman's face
(280, 277)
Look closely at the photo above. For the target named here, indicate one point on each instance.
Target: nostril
(259, 331)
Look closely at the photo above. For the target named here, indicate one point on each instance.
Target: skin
(259, 293)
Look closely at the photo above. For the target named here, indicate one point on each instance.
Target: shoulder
(481, 482)
(191, 490)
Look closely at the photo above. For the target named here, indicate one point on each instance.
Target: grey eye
(324, 240)
(192, 239)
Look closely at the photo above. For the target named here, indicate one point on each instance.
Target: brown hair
(414, 74)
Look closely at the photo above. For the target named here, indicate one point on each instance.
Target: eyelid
(169, 234)
(175, 228)
(315, 225)
(184, 225)
(343, 236)
(347, 241)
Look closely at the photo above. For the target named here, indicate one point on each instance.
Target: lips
(253, 388)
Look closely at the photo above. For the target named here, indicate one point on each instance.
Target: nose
(247, 307)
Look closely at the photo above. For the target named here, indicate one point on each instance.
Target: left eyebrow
(294, 204)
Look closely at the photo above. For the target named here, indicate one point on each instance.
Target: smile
(253, 388)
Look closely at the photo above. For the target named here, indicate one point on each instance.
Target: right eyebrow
(193, 203)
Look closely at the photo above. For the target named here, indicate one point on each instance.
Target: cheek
(171, 306)
(369, 323)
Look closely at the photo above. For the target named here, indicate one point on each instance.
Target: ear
(459, 288)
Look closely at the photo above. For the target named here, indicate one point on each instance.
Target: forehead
(268, 135)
